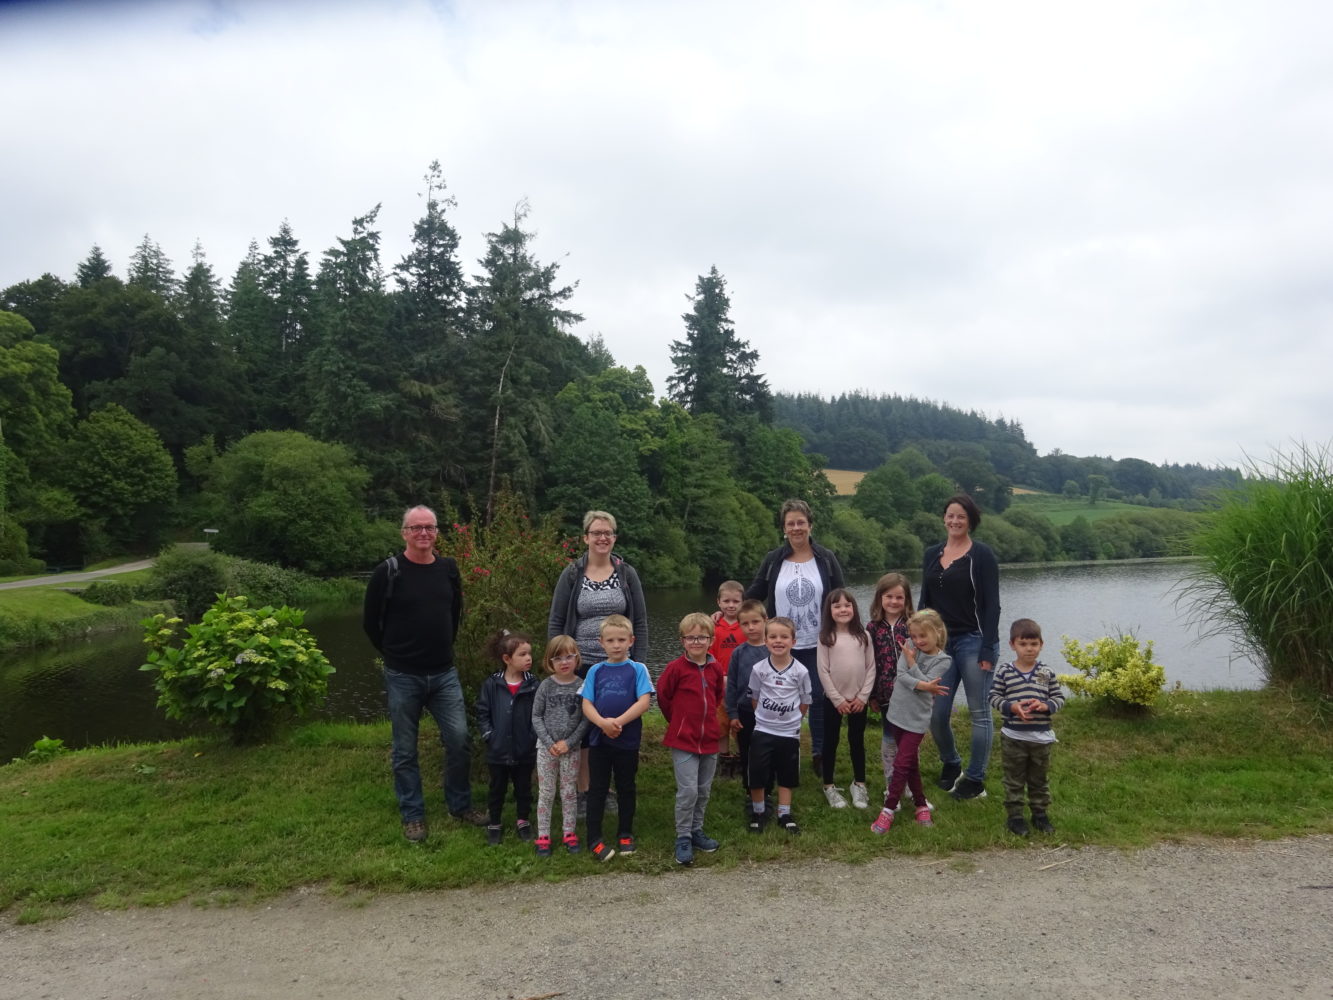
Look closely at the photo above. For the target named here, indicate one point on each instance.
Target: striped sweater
(1010, 685)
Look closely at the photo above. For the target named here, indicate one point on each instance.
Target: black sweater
(421, 618)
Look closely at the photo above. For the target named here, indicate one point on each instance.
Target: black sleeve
(457, 608)
(373, 609)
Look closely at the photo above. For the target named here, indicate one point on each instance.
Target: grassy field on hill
(844, 480)
(1060, 510)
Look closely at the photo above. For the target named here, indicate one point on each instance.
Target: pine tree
(94, 269)
(714, 369)
(150, 269)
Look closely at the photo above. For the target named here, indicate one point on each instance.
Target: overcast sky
(1112, 222)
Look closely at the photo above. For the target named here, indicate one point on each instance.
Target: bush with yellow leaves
(1117, 669)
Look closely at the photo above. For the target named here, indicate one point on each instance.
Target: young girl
(889, 610)
(504, 717)
(921, 664)
(558, 721)
(846, 662)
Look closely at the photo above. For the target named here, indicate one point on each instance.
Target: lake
(91, 692)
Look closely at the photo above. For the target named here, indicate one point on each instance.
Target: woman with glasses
(792, 582)
(597, 584)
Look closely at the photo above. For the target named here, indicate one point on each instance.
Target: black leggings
(856, 741)
(603, 763)
(520, 775)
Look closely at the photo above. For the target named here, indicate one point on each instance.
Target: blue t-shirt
(613, 688)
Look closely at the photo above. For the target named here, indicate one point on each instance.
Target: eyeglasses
(421, 529)
(697, 638)
(564, 658)
(601, 534)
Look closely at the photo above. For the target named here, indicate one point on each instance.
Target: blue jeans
(441, 695)
(809, 659)
(976, 682)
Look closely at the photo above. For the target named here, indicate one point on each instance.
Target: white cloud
(1109, 222)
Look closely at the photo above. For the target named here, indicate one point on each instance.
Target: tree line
(301, 404)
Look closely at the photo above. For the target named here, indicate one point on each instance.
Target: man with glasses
(414, 604)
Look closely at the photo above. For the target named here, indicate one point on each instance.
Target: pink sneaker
(923, 816)
(882, 822)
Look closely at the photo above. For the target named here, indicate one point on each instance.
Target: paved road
(1202, 921)
(59, 578)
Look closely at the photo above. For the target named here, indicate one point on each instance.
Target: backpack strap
(393, 573)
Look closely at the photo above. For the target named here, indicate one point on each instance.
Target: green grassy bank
(33, 616)
(152, 824)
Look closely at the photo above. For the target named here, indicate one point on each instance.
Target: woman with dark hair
(960, 579)
(792, 581)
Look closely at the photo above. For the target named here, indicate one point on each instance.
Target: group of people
(791, 646)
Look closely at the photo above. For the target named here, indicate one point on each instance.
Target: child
(780, 697)
(1025, 693)
(752, 617)
(921, 664)
(889, 610)
(689, 693)
(615, 693)
(728, 636)
(504, 716)
(557, 720)
(846, 663)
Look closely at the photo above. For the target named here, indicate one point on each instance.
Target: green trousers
(1025, 764)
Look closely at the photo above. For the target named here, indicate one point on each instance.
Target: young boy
(616, 693)
(780, 697)
(728, 636)
(689, 693)
(752, 616)
(1025, 692)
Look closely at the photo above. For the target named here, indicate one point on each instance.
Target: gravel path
(1211, 920)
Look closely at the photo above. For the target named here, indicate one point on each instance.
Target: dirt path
(94, 574)
(1214, 920)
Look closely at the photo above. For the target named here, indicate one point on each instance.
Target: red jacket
(688, 695)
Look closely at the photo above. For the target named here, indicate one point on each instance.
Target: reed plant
(1266, 579)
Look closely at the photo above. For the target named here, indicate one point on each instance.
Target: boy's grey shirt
(743, 659)
(909, 708)
(557, 714)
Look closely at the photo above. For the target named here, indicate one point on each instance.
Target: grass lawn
(33, 615)
(1060, 510)
(151, 824)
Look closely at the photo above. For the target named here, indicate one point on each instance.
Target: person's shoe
(602, 851)
(625, 845)
(834, 797)
(788, 822)
(1018, 826)
(684, 851)
(473, 817)
(415, 830)
(525, 830)
(1042, 823)
(757, 822)
(860, 797)
(572, 844)
(494, 834)
(543, 846)
(949, 775)
(923, 817)
(702, 842)
(968, 788)
(882, 822)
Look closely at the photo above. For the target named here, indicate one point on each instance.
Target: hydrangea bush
(245, 670)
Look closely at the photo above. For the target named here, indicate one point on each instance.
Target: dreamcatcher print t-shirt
(799, 596)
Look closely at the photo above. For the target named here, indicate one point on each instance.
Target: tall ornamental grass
(1267, 574)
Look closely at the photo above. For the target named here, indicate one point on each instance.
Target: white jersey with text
(780, 695)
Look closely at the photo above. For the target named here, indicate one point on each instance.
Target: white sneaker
(860, 797)
(835, 799)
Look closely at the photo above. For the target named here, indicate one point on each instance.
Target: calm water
(92, 692)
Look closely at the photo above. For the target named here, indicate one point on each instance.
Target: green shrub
(1117, 670)
(46, 749)
(108, 593)
(509, 568)
(191, 579)
(246, 670)
(1267, 574)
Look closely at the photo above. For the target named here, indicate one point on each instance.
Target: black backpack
(394, 573)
